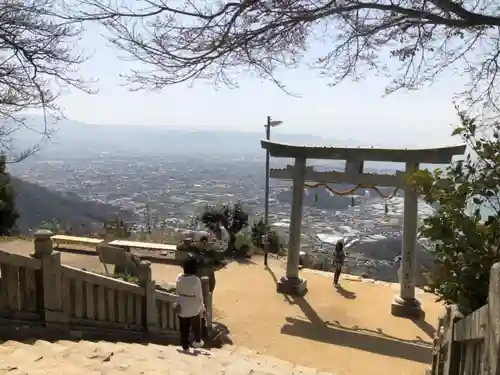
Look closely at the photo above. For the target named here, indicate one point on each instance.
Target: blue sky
(355, 111)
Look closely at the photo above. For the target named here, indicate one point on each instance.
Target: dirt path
(350, 331)
(347, 332)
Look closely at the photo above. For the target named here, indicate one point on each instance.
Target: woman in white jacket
(190, 305)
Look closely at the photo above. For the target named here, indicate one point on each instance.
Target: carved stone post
(43, 243)
(292, 284)
(405, 304)
(149, 309)
(49, 278)
(207, 300)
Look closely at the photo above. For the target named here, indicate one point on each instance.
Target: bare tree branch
(37, 59)
(412, 42)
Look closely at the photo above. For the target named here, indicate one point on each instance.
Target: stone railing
(40, 296)
(470, 345)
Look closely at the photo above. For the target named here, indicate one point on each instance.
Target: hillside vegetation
(36, 204)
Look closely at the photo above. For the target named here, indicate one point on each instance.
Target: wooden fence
(39, 292)
(470, 345)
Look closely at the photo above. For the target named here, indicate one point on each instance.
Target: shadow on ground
(429, 329)
(221, 337)
(243, 260)
(375, 341)
(347, 294)
(275, 279)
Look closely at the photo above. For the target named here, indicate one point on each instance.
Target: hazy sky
(349, 111)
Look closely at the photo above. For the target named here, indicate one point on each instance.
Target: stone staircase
(39, 357)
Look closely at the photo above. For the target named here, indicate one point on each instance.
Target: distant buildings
(174, 189)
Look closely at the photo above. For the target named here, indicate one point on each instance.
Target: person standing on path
(265, 242)
(190, 307)
(397, 262)
(338, 260)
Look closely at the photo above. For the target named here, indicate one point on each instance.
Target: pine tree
(8, 213)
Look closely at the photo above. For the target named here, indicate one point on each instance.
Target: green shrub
(466, 245)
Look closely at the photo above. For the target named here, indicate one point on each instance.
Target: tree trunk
(231, 243)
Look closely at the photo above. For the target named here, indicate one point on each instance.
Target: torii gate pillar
(292, 284)
(405, 304)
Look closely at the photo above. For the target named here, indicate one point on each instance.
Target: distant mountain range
(36, 204)
(72, 139)
(147, 139)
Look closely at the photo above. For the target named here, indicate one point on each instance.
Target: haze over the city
(354, 111)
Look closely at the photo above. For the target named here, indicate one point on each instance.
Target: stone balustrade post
(49, 278)
(149, 308)
(207, 300)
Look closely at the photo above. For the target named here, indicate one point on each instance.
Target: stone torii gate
(404, 304)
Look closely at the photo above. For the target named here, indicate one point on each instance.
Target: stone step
(39, 357)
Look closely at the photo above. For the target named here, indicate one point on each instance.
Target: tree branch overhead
(37, 59)
(411, 41)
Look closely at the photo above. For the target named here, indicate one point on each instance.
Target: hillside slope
(36, 204)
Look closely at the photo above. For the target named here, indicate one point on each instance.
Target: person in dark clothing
(338, 260)
(265, 243)
(190, 306)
